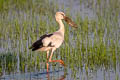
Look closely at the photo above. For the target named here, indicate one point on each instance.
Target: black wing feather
(38, 44)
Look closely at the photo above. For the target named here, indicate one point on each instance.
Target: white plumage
(53, 41)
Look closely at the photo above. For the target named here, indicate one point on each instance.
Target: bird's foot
(60, 61)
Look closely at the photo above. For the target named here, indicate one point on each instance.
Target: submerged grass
(95, 44)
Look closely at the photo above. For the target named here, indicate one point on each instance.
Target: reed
(94, 45)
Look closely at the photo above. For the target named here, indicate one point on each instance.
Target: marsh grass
(94, 45)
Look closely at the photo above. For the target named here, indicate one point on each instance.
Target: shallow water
(65, 74)
(21, 67)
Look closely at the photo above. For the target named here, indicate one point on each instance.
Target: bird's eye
(62, 14)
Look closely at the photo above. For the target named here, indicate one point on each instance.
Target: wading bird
(50, 42)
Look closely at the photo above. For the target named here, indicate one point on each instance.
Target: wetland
(90, 52)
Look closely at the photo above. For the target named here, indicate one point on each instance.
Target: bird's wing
(55, 40)
(39, 43)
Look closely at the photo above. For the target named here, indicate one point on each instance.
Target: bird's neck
(61, 25)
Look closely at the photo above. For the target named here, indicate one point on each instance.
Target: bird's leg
(47, 61)
(47, 55)
(51, 55)
(60, 61)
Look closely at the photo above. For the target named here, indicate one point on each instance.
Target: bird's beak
(70, 22)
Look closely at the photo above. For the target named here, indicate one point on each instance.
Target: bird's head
(61, 16)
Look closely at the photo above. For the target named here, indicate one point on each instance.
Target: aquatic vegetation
(94, 45)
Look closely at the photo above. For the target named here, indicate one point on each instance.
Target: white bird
(50, 42)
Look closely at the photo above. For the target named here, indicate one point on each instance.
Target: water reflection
(52, 75)
(95, 55)
(62, 77)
